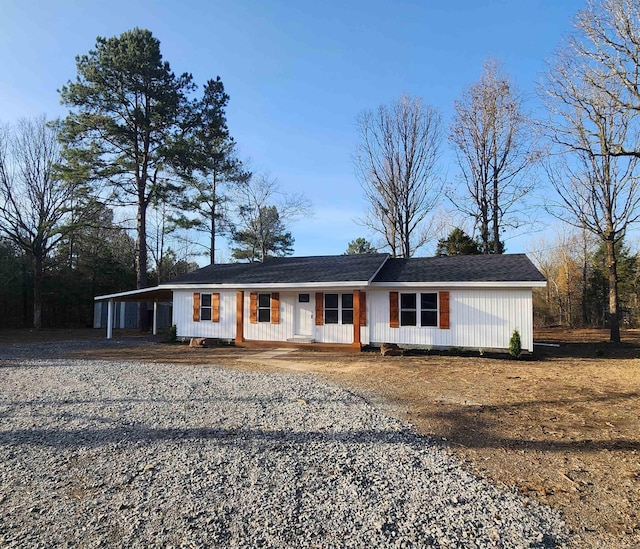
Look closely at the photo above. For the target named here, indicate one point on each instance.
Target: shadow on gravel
(61, 438)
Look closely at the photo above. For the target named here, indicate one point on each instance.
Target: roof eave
(278, 285)
(467, 284)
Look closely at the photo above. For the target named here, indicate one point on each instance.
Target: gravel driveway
(96, 454)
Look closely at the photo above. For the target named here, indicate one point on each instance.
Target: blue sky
(298, 73)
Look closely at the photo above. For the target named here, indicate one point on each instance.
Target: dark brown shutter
(444, 310)
(196, 307)
(253, 307)
(319, 308)
(394, 317)
(215, 307)
(363, 308)
(275, 308)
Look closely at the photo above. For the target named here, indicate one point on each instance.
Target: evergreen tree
(215, 167)
(597, 293)
(263, 237)
(458, 243)
(360, 246)
(127, 125)
(96, 258)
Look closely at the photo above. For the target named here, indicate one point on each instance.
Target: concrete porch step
(300, 339)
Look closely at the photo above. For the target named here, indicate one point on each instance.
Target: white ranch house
(472, 302)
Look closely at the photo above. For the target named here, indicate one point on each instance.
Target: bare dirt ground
(562, 426)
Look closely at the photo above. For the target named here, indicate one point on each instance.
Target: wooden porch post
(356, 319)
(110, 319)
(239, 317)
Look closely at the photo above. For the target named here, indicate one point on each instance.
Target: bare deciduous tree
(35, 205)
(396, 162)
(495, 151)
(592, 129)
(564, 261)
(607, 43)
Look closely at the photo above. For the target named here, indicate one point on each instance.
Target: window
(264, 307)
(429, 309)
(331, 308)
(303, 298)
(338, 308)
(347, 308)
(205, 306)
(408, 315)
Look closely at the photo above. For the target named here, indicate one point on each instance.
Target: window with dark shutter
(330, 308)
(408, 316)
(429, 309)
(264, 307)
(346, 313)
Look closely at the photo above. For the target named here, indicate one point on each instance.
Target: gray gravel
(96, 454)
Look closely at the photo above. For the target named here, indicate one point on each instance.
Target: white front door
(304, 315)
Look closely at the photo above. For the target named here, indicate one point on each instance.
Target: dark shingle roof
(289, 270)
(461, 268)
(361, 268)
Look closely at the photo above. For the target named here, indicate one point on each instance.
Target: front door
(304, 315)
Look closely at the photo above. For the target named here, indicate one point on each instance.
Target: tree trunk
(585, 316)
(614, 314)
(484, 229)
(212, 250)
(37, 290)
(141, 262)
(496, 221)
(214, 204)
(24, 321)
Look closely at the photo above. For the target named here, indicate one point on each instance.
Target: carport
(145, 295)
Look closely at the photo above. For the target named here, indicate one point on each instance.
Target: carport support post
(155, 317)
(110, 319)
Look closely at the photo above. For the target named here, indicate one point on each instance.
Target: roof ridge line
(370, 281)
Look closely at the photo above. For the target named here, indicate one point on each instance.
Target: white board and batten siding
(286, 328)
(479, 319)
(187, 327)
(267, 331)
(334, 333)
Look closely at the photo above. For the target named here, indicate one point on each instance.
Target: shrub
(173, 333)
(515, 345)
